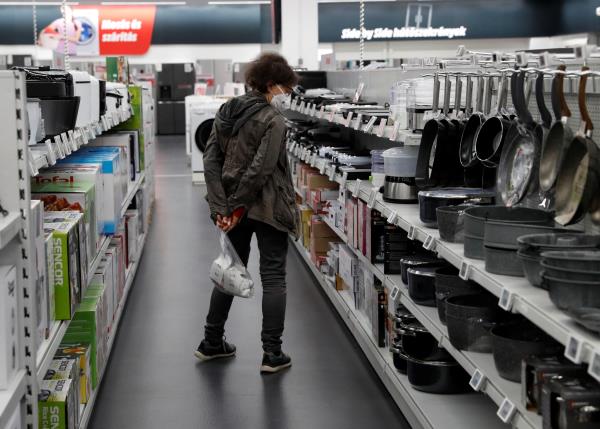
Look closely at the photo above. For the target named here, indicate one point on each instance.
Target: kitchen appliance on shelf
(202, 114)
(175, 82)
(400, 164)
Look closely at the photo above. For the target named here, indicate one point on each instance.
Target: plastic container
(400, 161)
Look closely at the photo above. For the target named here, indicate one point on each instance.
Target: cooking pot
(430, 200)
(449, 284)
(451, 223)
(570, 295)
(398, 359)
(417, 342)
(421, 285)
(418, 261)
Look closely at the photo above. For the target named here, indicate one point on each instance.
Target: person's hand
(227, 223)
(223, 222)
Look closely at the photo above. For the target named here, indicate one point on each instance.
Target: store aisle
(154, 381)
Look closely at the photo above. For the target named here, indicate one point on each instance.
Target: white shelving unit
(533, 303)
(19, 162)
(422, 410)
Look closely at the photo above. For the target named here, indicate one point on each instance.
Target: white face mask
(281, 101)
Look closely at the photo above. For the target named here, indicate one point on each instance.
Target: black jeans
(272, 245)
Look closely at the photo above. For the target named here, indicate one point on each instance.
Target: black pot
(451, 221)
(429, 201)
(399, 361)
(514, 342)
(470, 319)
(421, 285)
(417, 261)
(417, 342)
(441, 377)
(449, 284)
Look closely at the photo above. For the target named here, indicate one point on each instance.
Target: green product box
(81, 354)
(71, 197)
(58, 407)
(67, 286)
(136, 122)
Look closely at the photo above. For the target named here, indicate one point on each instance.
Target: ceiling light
(36, 3)
(220, 3)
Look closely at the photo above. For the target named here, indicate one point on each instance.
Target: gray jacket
(245, 163)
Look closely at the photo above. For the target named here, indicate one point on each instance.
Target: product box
(59, 197)
(348, 264)
(63, 369)
(74, 175)
(67, 286)
(136, 122)
(116, 254)
(58, 406)
(375, 236)
(81, 354)
(315, 181)
(9, 325)
(105, 276)
(320, 236)
(84, 257)
(132, 220)
(305, 216)
(48, 245)
(112, 180)
(128, 142)
(36, 228)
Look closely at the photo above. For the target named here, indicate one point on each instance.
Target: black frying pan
(578, 179)
(559, 137)
(546, 117)
(474, 123)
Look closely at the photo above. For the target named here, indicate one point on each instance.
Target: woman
(250, 191)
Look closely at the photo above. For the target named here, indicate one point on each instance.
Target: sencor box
(9, 325)
(41, 275)
(58, 407)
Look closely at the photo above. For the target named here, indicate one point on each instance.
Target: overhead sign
(101, 30)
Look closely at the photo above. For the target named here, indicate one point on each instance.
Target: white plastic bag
(229, 273)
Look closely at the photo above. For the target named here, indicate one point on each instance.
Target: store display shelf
(335, 229)
(494, 386)
(420, 409)
(10, 226)
(86, 411)
(47, 349)
(96, 261)
(131, 192)
(10, 398)
(46, 154)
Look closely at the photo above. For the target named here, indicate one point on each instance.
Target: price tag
(594, 367)
(298, 101)
(506, 300)
(429, 243)
(411, 232)
(356, 189)
(331, 115)
(349, 118)
(464, 271)
(58, 145)
(33, 170)
(392, 217)
(84, 136)
(372, 198)
(344, 180)
(105, 123)
(381, 130)
(358, 121)
(321, 112)
(332, 173)
(394, 293)
(477, 381)
(313, 160)
(506, 411)
(369, 127)
(71, 139)
(323, 168)
(394, 136)
(574, 349)
(65, 142)
(50, 155)
(302, 106)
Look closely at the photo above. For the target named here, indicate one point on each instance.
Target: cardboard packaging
(81, 354)
(128, 142)
(63, 369)
(75, 175)
(58, 406)
(9, 325)
(105, 276)
(67, 286)
(48, 245)
(132, 221)
(41, 275)
(375, 246)
(348, 264)
(81, 198)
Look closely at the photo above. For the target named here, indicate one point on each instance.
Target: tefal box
(58, 406)
(9, 325)
(73, 175)
(67, 286)
(60, 197)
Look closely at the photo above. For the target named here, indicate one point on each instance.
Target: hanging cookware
(545, 116)
(519, 163)
(437, 164)
(491, 136)
(467, 155)
(578, 178)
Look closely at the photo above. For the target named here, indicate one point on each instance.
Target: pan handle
(447, 90)
(480, 92)
(500, 94)
(521, 106)
(565, 112)
(457, 96)
(489, 89)
(541, 103)
(514, 89)
(469, 96)
(436, 94)
(585, 115)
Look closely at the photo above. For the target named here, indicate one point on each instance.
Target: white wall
(300, 33)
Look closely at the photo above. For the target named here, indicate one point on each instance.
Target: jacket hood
(237, 111)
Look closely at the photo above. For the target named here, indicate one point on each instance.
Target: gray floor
(153, 380)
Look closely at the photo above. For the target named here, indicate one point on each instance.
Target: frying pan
(559, 136)
(520, 155)
(474, 123)
(491, 136)
(438, 147)
(546, 117)
(577, 180)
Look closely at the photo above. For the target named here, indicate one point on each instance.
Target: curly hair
(270, 69)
